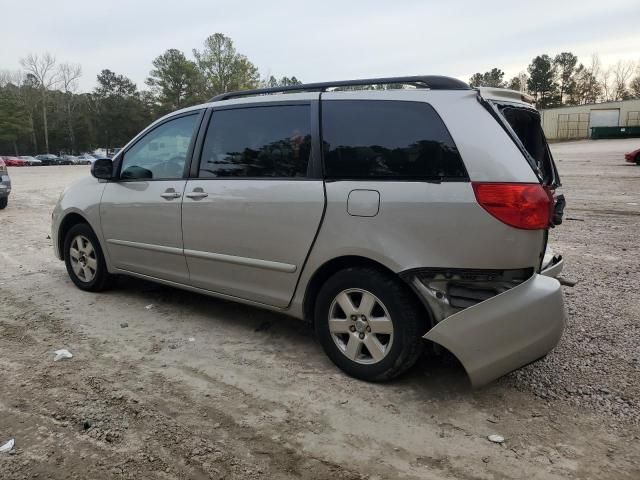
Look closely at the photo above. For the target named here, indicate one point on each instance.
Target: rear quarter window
(525, 124)
(384, 139)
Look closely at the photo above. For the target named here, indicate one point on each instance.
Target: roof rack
(433, 82)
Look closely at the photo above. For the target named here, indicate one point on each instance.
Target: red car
(633, 157)
(14, 162)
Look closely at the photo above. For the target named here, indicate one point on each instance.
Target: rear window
(387, 140)
(525, 123)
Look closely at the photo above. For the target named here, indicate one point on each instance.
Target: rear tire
(638, 159)
(378, 339)
(4, 202)
(84, 259)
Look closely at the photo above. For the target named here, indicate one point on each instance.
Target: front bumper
(505, 332)
(5, 186)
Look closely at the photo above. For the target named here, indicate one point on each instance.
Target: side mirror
(102, 169)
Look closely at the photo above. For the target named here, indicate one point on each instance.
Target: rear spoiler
(493, 93)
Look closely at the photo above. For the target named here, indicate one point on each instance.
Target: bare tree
(69, 73)
(606, 80)
(622, 73)
(6, 77)
(634, 85)
(42, 67)
(11, 77)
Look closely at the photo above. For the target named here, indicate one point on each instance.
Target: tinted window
(387, 139)
(272, 141)
(162, 152)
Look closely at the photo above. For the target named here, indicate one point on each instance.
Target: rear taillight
(521, 205)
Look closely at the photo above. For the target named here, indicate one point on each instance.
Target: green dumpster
(614, 132)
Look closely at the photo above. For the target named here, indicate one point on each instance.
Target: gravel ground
(597, 364)
(194, 387)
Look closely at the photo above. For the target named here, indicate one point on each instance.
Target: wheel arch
(69, 220)
(330, 267)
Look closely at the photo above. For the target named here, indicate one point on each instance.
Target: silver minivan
(416, 208)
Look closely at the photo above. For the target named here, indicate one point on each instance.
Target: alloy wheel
(360, 326)
(83, 258)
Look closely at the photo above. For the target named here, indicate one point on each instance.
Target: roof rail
(433, 82)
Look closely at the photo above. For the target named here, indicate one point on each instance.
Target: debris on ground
(496, 438)
(8, 446)
(62, 354)
(124, 325)
(149, 307)
(191, 339)
(566, 282)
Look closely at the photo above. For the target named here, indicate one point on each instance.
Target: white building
(564, 123)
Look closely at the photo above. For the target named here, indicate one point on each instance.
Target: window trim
(314, 166)
(121, 154)
(435, 179)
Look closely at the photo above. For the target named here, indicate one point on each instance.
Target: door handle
(170, 195)
(196, 195)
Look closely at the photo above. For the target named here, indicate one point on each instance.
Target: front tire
(4, 202)
(84, 259)
(369, 324)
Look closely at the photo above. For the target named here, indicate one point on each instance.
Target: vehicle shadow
(437, 371)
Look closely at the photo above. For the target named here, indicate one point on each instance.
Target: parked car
(5, 185)
(31, 161)
(76, 160)
(14, 161)
(85, 159)
(48, 159)
(308, 203)
(633, 157)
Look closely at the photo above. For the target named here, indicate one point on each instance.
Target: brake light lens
(521, 205)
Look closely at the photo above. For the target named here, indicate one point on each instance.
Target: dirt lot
(200, 388)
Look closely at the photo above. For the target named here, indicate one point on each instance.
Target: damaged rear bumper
(505, 332)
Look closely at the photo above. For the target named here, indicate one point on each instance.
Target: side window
(269, 141)
(161, 153)
(388, 140)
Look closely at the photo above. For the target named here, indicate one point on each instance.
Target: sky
(322, 40)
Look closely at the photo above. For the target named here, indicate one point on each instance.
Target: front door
(250, 216)
(140, 212)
